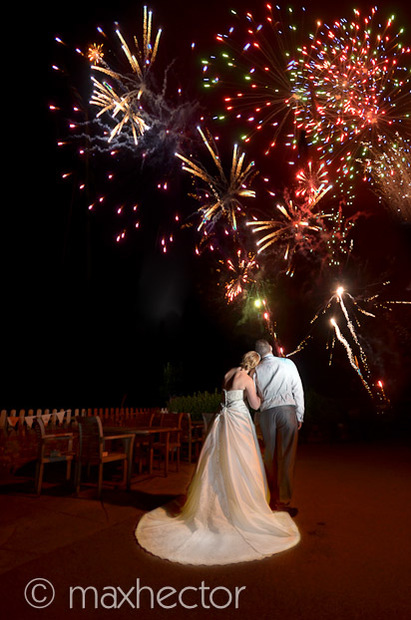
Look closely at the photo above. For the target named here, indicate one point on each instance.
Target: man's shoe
(282, 507)
(292, 511)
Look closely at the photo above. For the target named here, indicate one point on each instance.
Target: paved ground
(353, 560)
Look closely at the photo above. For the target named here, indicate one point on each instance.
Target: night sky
(88, 322)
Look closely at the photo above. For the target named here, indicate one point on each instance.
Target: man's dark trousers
(279, 426)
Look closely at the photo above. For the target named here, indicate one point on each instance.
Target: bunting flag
(29, 420)
(46, 417)
(12, 420)
(60, 416)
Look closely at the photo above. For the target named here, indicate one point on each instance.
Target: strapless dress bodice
(232, 397)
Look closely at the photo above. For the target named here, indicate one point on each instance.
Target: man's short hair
(262, 347)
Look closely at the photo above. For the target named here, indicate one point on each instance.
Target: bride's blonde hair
(250, 360)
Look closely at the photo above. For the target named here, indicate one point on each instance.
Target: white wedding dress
(226, 518)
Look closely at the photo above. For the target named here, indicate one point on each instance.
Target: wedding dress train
(226, 518)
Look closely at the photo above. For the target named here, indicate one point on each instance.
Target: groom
(280, 417)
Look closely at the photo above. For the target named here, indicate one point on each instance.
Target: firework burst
(138, 111)
(311, 180)
(299, 226)
(126, 102)
(95, 53)
(389, 167)
(222, 197)
(242, 273)
(256, 67)
(356, 72)
(108, 100)
(139, 123)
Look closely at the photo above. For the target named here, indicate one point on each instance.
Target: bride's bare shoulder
(229, 376)
(230, 372)
(237, 379)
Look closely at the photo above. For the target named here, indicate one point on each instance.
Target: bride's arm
(251, 394)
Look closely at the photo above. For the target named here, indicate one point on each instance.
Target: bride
(226, 517)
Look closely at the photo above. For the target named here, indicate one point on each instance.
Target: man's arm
(298, 395)
(253, 375)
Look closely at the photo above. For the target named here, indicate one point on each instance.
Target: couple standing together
(237, 510)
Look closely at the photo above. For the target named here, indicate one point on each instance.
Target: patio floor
(353, 561)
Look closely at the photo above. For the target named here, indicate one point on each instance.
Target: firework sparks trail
(352, 323)
(339, 295)
(350, 355)
(260, 304)
(224, 194)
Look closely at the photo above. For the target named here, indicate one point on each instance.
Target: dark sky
(88, 322)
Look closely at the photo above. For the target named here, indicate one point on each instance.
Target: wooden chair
(94, 449)
(191, 436)
(169, 443)
(143, 445)
(157, 419)
(52, 448)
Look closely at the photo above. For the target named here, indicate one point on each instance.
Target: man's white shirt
(278, 383)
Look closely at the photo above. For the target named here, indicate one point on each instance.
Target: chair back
(142, 419)
(39, 428)
(157, 419)
(186, 423)
(49, 445)
(173, 419)
(90, 438)
(40, 434)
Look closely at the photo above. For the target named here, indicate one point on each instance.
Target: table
(148, 431)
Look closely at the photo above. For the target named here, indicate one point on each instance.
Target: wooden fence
(23, 418)
(18, 439)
